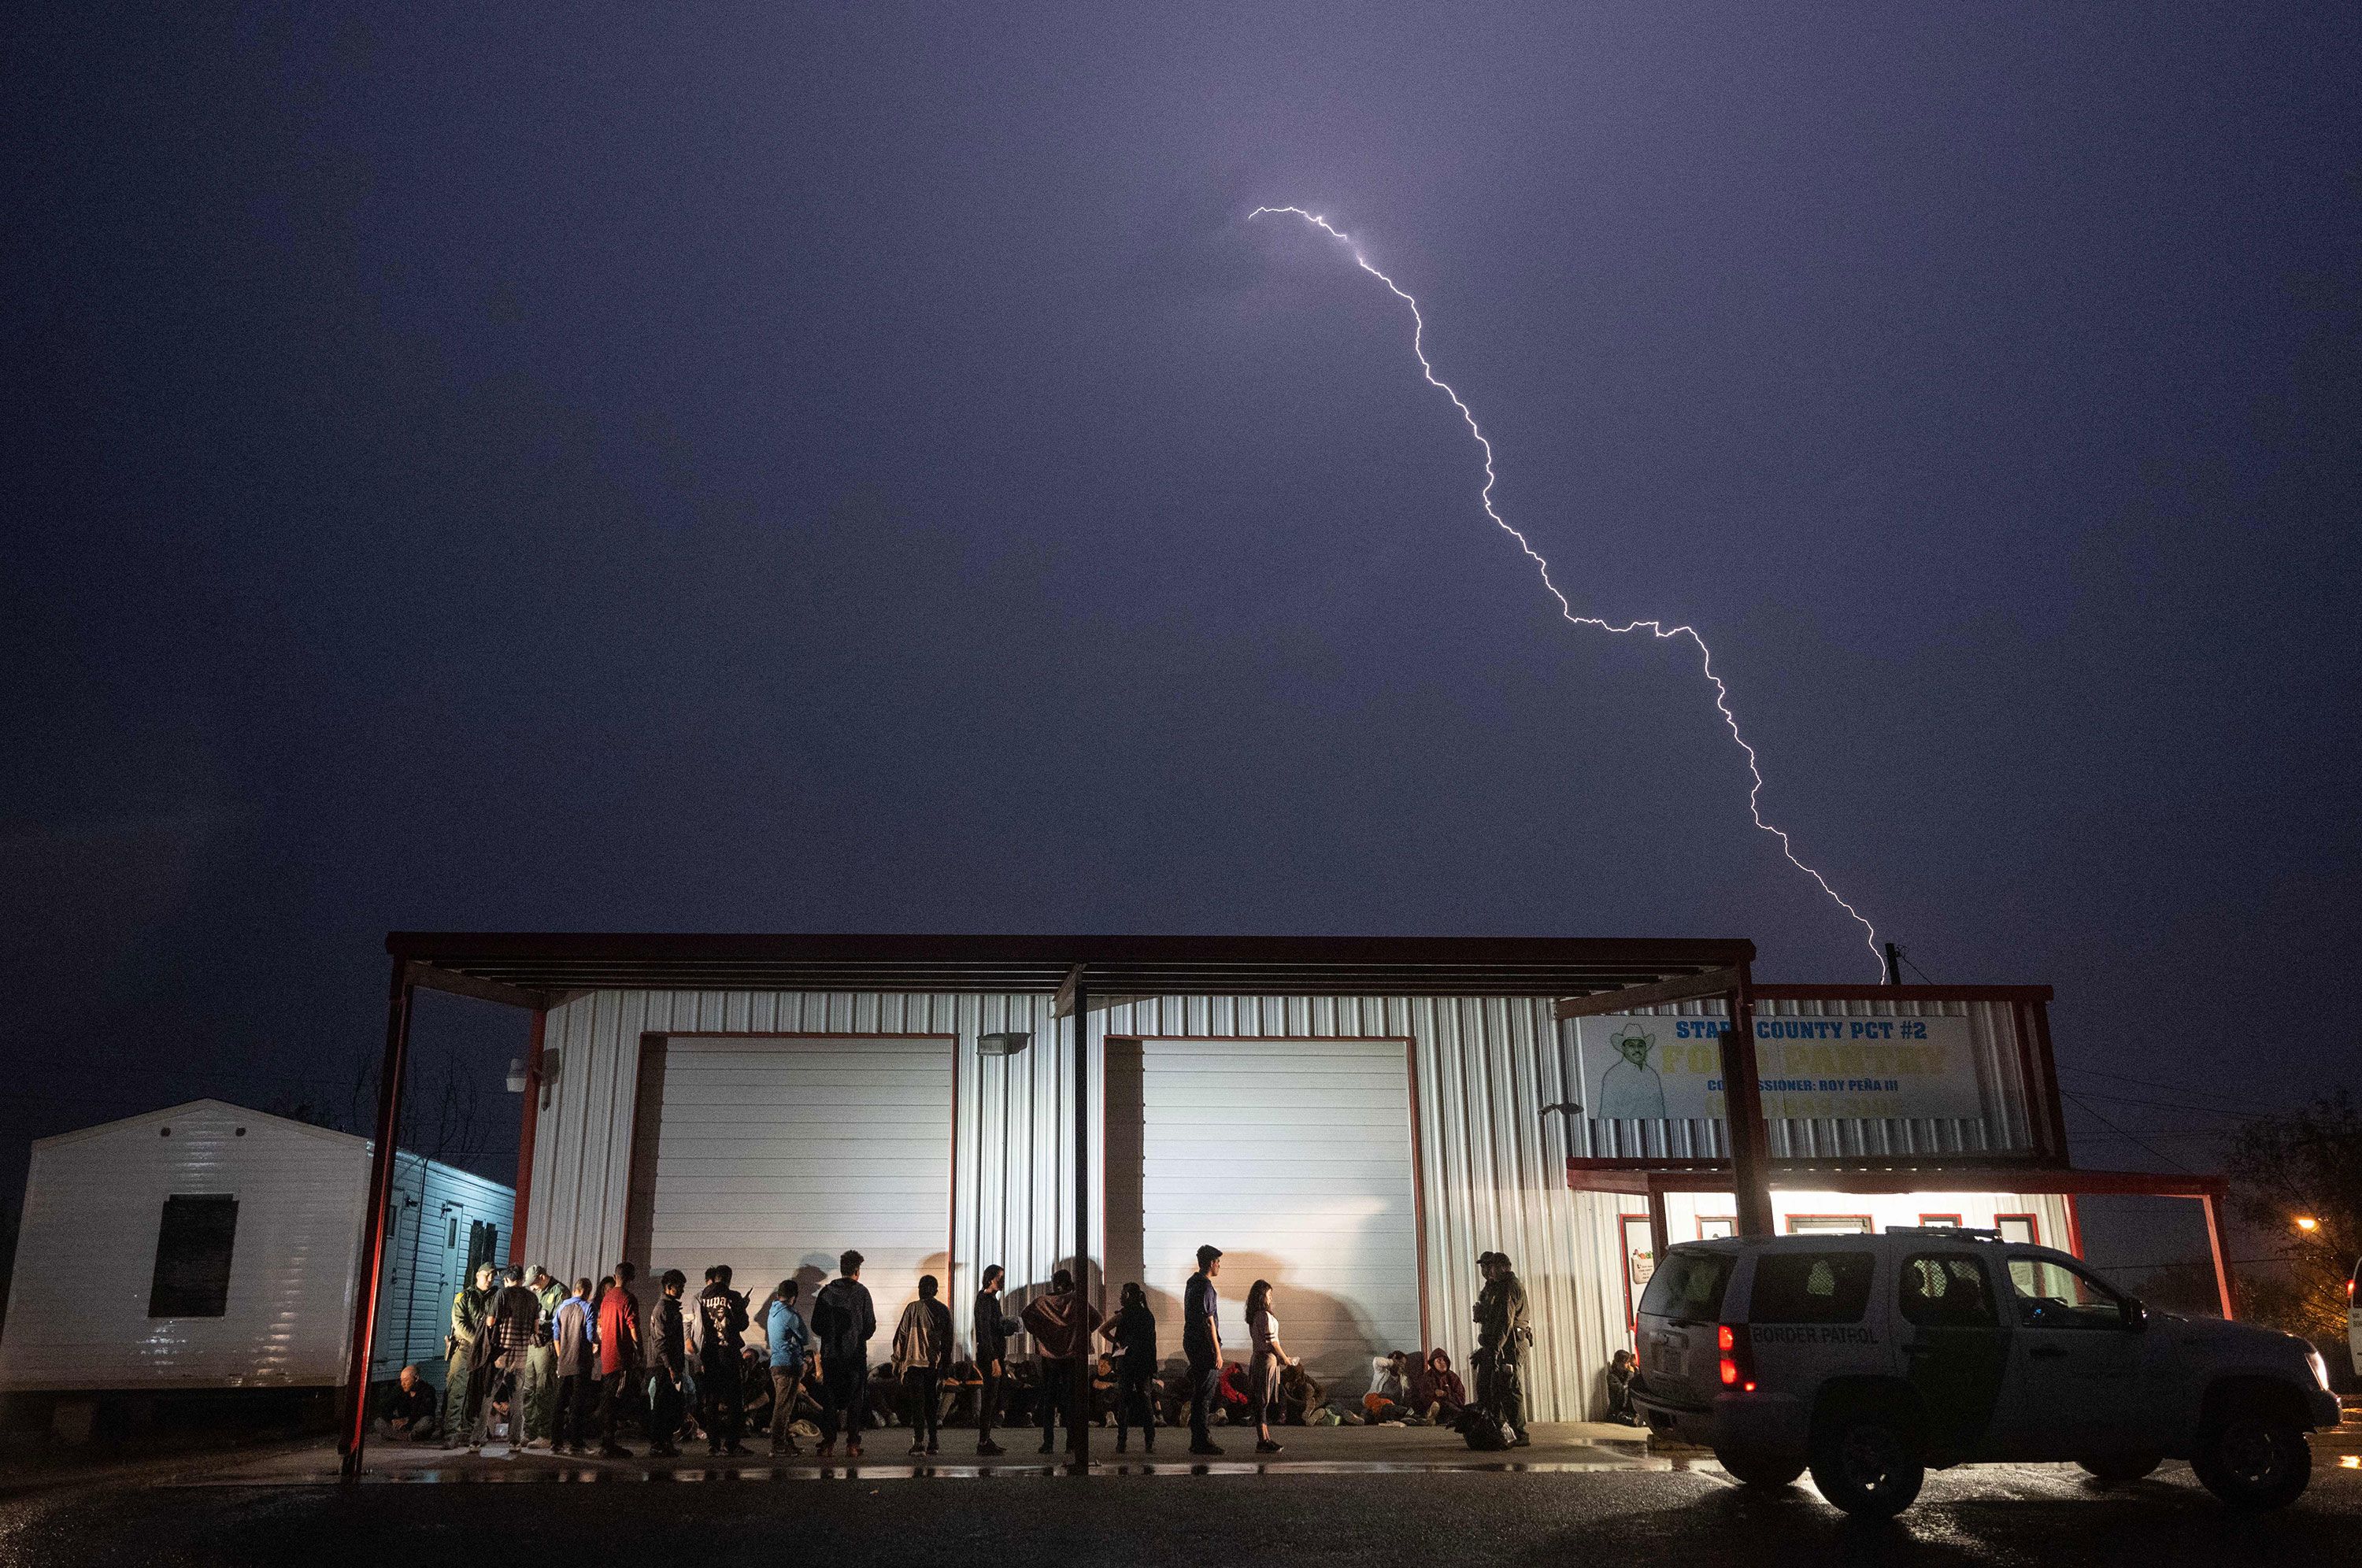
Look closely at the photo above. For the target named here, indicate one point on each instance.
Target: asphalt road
(2012, 1515)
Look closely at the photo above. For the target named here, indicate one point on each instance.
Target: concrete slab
(1312, 1450)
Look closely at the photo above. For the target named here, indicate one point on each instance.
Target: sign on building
(1639, 1067)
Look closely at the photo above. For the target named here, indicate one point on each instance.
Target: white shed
(209, 1246)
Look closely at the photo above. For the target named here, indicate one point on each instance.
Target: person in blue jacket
(791, 1342)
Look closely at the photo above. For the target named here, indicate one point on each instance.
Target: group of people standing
(561, 1361)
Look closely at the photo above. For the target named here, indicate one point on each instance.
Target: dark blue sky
(743, 469)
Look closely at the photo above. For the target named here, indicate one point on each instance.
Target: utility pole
(1893, 965)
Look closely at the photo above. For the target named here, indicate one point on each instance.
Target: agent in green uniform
(469, 1304)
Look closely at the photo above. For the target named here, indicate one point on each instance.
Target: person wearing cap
(468, 1305)
(1201, 1343)
(1504, 1330)
(539, 1394)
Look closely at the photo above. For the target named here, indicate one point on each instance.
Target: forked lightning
(1655, 628)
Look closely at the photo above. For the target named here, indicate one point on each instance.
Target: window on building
(192, 1254)
(2019, 1228)
(1953, 1220)
(1716, 1227)
(1810, 1287)
(1829, 1224)
(484, 1243)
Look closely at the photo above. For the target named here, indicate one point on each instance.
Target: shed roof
(545, 968)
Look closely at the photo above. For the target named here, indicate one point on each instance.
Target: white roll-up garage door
(1294, 1156)
(773, 1155)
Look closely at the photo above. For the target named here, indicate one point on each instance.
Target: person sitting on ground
(1301, 1395)
(1620, 1367)
(922, 1354)
(1230, 1395)
(1436, 1389)
(407, 1414)
(1389, 1395)
(961, 1386)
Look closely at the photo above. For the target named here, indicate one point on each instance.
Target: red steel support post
(530, 1122)
(381, 1188)
(1083, 1359)
(1742, 1101)
(2224, 1285)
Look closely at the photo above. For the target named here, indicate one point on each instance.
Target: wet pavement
(1626, 1510)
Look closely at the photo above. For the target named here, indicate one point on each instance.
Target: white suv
(1870, 1358)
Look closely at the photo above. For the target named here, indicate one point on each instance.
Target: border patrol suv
(1870, 1358)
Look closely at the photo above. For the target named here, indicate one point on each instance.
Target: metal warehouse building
(1353, 1119)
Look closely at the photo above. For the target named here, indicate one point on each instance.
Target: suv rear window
(1810, 1287)
(1688, 1286)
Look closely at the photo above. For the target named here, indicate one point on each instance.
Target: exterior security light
(2307, 1222)
(1003, 1044)
(516, 1075)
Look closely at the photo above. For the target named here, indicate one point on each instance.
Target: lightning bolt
(1654, 628)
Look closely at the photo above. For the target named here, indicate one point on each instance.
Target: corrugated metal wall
(1993, 1031)
(93, 1203)
(421, 1271)
(1492, 1164)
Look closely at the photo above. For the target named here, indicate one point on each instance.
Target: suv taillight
(1738, 1350)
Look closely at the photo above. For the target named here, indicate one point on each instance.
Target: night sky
(752, 468)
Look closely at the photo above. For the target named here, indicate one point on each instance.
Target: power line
(2152, 1083)
(2136, 1142)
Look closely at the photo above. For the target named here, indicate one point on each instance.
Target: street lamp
(2307, 1223)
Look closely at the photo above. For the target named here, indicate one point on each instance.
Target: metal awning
(542, 969)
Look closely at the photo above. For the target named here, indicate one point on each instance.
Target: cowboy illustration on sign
(1631, 1089)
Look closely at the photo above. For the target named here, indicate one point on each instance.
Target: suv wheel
(2121, 1469)
(1749, 1469)
(1866, 1462)
(2252, 1460)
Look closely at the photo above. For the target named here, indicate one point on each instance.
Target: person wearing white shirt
(1270, 1355)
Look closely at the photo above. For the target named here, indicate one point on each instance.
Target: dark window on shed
(483, 1243)
(193, 1252)
(1810, 1287)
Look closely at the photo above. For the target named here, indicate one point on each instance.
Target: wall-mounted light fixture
(1007, 1043)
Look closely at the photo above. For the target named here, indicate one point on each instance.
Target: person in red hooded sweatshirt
(619, 1357)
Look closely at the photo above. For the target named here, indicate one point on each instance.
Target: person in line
(993, 1328)
(1270, 1357)
(1132, 1333)
(512, 1329)
(408, 1413)
(721, 1370)
(1436, 1391)
(468, 1305)
(573, 1338)
(1201, 1343)
(844, 1322)
(668, 1350)
(789, 1338)
(1061, 1323)
(540, 1394)
(1504, 1330)
(619, 1357)
(922, 1354)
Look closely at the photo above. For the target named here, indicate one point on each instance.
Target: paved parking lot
(1628, 1510)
